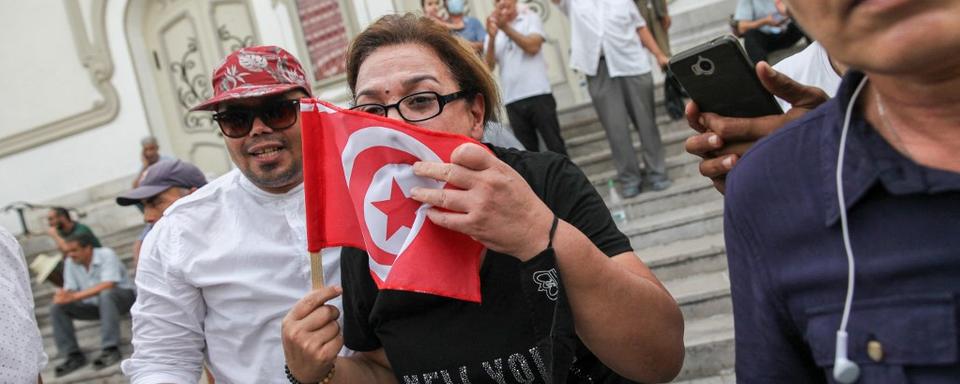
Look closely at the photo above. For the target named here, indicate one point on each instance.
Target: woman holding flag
(563, 297)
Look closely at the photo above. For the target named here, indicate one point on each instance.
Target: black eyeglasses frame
(441, 99)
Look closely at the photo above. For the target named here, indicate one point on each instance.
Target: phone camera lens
(706, 66)
(703, 66)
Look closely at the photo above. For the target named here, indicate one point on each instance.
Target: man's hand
(311, 335)
(492, 25)
(494, 204)
(62, 296)
(666, 21)
(722, 140)
(662, 61)
(52, 231)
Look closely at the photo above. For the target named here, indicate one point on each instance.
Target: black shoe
(660, 185)
(108, 357)
(631, 190)
(74, 362)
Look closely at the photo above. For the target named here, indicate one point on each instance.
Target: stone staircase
(677, 233)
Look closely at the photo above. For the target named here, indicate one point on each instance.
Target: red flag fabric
(358, 176)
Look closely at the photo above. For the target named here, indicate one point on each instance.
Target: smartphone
(721, 79)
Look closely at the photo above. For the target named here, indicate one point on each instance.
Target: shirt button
(875, 350)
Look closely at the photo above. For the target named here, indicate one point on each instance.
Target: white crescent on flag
(382, 186)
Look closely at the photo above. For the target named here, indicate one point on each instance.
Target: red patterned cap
(255, 72)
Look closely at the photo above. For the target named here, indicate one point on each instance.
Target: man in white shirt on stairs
(225, 264)
(607, 44)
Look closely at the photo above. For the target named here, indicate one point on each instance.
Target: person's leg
(64, 335)
(790, 36)
(608, 101)
(62, 316)
(755, 42)
(638, 93)
(522, 129)
(113, 303)
(543, 115)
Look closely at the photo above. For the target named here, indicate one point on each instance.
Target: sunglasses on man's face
(278, 115)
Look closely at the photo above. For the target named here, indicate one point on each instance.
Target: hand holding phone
(720, 78)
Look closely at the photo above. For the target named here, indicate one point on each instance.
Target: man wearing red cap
(220, 271)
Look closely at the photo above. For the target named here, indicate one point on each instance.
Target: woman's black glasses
(415, 107)
(277, 115)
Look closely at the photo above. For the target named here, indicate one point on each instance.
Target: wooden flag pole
(316, 270)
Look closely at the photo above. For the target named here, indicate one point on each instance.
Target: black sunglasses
(415, 107)
(278, 115)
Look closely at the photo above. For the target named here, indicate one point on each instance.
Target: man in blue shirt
(901, 182)
(765, 27)
(95, 286)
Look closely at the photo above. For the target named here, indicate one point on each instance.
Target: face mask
(455, 7)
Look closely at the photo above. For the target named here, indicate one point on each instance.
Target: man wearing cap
(224, 266)
(95, 286)
(161, 184)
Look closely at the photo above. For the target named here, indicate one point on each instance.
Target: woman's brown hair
(468, 71)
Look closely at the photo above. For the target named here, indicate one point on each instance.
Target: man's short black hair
(62, 212)
(83, 239)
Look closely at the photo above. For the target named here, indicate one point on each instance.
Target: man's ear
(477, 111)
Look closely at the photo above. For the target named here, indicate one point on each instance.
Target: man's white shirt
(612, 23)
(21, 351)
(215, 278)
(811, 66)
(522, 75)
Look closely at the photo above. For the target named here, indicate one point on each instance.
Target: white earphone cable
(843, 206)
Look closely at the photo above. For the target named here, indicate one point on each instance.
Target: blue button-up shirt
(104, 266)
(750, 10)
(788, 270)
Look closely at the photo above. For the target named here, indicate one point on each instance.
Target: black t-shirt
(521, 332)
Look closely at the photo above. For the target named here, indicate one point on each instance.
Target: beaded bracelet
(293, 380)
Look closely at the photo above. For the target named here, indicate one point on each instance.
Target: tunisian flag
(358, 176)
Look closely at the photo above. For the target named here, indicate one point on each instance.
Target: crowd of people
(839, 222)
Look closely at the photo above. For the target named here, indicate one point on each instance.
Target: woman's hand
(311, 335)
(494, 205)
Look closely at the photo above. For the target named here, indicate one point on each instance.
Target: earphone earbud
(844, 370)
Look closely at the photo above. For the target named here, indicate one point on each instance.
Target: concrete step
(600, 157)
(583, 123)
(702, 295)
(678, 167)
(683, 193)
(88, 337)
(709, 351)
(595, 142)
(697, 21)
(88, 375)
(86, 330)
(679, 224)
(686, 258)
(724, 377)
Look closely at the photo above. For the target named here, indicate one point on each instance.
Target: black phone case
(720, 78)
